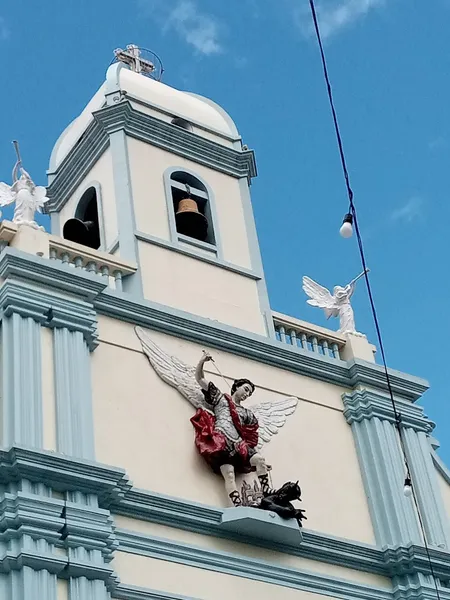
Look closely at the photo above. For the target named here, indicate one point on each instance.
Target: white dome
(192, 107)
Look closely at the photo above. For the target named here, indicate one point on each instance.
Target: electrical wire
(352, 211)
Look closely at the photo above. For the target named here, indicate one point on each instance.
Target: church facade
(133, 466)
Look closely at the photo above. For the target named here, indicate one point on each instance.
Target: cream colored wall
(148, 164)
(48, 389)
(177, 280)
(445, 491)
(194, 582)
(62, 589)
(147, 431)
(102, 173)
(223, 545)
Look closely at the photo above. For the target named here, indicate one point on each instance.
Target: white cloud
(335, 15)
(409, 212)
(195, 27)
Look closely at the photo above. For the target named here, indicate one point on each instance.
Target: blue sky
(389, 64)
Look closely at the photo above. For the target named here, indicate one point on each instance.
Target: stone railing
(107, 266)
(308, 337)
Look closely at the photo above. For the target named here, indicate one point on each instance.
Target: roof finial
(133, 57)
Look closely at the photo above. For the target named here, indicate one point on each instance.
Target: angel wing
(319, 296)
(39, 197)
(272, 416)
(6, 195)
(172, 370)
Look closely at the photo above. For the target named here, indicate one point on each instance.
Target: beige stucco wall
(177, 280)
(147, 166)
(102, 173)
(147, 431)
(223, 545)
(199, 583)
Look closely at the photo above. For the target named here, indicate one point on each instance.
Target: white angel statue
(28, 197)
(336, 305)
(228, 435)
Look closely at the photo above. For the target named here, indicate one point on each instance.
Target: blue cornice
(71, 172)
(367, 404)
(126, 307)
(51, 274)
(115, 493)
(131, 592)
(144, 127)
(256, 347)
(179, 141)
(242, 566)
(63, 473)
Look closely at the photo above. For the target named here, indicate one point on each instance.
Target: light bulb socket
(408, 482)
(348, 218)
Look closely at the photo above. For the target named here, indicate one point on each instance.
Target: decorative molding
(121, 116)
(383, 470)
(79, 520)
(256, 347)
(426, 488)
(74, 419)
(217, 262)
(242, 566)
(21, 368)
(49, 309)
(176, 140)
(75, 166)
(113, 247)
(206, 520)
(131, 592)
(365, 404)
(123, 190)
(50, 273)
(63, 473)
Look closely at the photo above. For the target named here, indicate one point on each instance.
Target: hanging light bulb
(407, 489)
(346, 229)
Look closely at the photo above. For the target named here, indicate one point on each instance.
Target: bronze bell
(190, 221)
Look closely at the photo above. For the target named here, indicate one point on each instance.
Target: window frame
(180, 240)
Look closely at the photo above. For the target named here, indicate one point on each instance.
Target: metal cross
(131, 56)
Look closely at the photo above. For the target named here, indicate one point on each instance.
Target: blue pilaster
(21, 365)
(74, 421)
(379, 452)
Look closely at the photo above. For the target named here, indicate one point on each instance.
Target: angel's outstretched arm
(199, 373)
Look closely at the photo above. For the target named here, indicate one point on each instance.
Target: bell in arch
(190, 221)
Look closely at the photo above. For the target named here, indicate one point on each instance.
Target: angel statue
(28, 197)
(336, 305)
(228, 435)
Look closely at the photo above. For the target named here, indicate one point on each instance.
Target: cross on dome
(131, 56)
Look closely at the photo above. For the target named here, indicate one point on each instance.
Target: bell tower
(160, 178)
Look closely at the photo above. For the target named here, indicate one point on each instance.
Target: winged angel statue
(28, 197)
(336, 304)
(228, 435)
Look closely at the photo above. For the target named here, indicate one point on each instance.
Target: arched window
(84, 228)
(192, 208)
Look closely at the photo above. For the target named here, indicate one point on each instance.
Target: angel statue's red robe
(227, 434)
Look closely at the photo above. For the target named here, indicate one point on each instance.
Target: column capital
(364, 404)
(50, 308)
